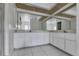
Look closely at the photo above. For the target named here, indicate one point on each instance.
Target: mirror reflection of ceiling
(49, 8)
(71, 11)
(46, 6)
(35, 16)
(31, 15)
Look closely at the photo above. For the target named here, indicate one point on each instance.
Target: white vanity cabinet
(30, 39)
(64, 41)
(70, 47)
(70, 43)
(19, 40)
(51, 38)
(70, 36)
(59, 43)
(59, 40)
(40, 38)
(36, 39)
(27, 39)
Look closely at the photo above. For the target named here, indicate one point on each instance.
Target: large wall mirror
(62, 25)
(23, 21)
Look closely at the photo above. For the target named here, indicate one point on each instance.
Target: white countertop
(39, 31)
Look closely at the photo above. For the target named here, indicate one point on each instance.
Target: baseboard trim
(61, 50)
(43, 45)
(30, 46)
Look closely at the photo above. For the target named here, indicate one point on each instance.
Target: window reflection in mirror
(23, 21)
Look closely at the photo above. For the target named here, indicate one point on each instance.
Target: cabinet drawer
(59, 35)
(17, 35)
(70, 36)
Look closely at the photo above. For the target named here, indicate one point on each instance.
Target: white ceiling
(71, 11)
(44, 5)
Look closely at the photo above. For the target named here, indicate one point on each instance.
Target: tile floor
(45, 50)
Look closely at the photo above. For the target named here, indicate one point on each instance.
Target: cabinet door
(40, 38)
(55, 42)
(36, 39)
(45, 38)
(18, 40)
(51, 38)
(71, 46)
(28, 39)
(59, 43)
